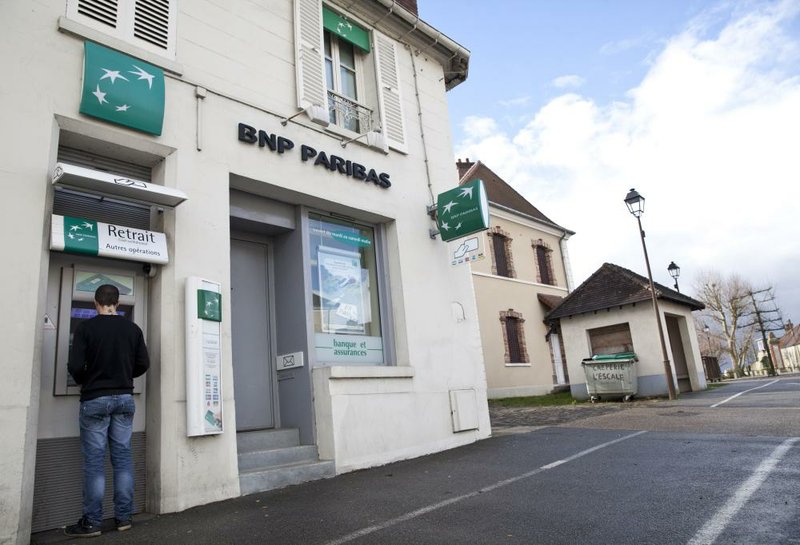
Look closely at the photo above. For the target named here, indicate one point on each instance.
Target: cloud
(626, 44)
(568, 81)
(515, 102)
(709, 137)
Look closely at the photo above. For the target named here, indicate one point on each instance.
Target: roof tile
(612, 286)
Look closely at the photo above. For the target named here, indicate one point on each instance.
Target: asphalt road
(721, 466)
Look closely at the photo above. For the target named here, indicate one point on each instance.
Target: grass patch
(715, 385)
(549, 400)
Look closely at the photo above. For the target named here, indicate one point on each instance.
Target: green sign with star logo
(345, 29)
(122, 89)
(462, 211)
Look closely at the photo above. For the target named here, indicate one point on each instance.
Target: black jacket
(107, 353)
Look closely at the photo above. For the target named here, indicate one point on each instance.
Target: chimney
(788, 326)
(463, 166)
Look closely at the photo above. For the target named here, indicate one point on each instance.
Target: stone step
(250, 441)
(265, 459)
(262, 480)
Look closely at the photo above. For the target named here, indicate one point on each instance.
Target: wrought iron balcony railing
(347, 113)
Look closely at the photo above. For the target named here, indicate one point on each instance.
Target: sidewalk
(321, 511)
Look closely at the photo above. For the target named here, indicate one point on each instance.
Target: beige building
(523, 274)
(785, 352)
(254, 176)
(612, 312)
(789, 346)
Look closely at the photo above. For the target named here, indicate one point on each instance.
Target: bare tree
(728, 304)
(765, 317)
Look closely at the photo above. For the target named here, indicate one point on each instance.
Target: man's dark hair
(107, 295)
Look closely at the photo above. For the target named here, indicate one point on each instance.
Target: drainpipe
(565, 259)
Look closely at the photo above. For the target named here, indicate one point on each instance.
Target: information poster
(343, 290)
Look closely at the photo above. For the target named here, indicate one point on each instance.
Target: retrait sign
(88, 237)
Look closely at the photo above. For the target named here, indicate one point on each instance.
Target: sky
(696, 104)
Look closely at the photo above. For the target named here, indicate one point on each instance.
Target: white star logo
(70, 235)
(445, 226)
(123, 108)
(143, 75)
(458, 226)
(101, 96)
(466, 191)
(340, 28)
(88, 225)
(75, 228)
(448, 206)
(112, 75)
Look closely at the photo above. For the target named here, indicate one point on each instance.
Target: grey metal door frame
(270, 310)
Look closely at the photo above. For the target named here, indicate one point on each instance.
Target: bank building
(256, 178)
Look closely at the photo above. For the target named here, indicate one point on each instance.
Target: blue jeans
(107, 420)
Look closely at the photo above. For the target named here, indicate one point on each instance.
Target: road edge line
(714, 527)
(744, 392)
(499, 484)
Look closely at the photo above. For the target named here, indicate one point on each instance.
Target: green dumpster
(611, 376)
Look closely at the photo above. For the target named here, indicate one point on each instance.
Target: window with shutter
(348, 71)
(308, 54)
(612, 339)
(500, 257)
(544, 263)
(149, 24)
(516, 350)
(389, 92)
(512, 331)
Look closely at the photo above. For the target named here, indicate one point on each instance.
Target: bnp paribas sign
(122, 89)
(87, 237)
(462, 211)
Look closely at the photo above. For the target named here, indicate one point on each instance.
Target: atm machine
(71, 284)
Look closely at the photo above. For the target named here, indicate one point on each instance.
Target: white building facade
(271, 240)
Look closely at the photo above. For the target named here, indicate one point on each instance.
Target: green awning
(345, 29)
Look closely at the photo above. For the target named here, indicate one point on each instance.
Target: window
(501, 253)
(544, 263)
(348, 75)
(612, 339)
(342, 77)
(149, 24)
(516, 350)
(345, 299)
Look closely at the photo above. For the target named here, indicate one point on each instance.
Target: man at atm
(108, 352)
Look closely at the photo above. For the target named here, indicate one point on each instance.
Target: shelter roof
(614, 286)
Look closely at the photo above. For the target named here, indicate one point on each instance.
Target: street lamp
(707, 331)
(635, 203)
(674, 272)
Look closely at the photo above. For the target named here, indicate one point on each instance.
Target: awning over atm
(113, 185)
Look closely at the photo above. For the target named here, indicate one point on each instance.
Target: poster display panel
(203, 357)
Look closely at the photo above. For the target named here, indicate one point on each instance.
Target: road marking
(433, 507)
(740, 393)
(712, 529)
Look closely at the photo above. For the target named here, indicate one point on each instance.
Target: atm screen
(81, 313)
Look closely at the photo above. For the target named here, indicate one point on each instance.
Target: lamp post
(635, 203)
(674, 272)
